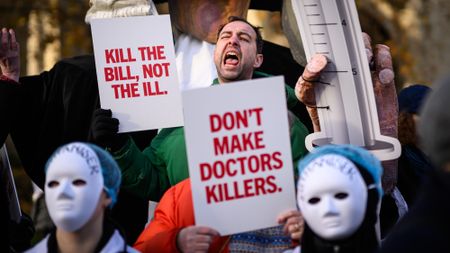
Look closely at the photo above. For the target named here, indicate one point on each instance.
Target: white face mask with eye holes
(332, 197)
(73, 185)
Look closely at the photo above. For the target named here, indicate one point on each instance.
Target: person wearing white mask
(82, 182)
(339, 193)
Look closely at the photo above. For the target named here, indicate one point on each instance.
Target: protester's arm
(8, 106)
(139, 174)
(10, 70)
(161, 233)
(172, 227)
(298, 133)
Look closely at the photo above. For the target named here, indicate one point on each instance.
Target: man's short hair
(259, 40)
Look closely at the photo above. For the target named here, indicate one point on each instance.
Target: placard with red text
(136, 71)
(239, 154)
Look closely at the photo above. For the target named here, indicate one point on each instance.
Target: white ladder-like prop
(332, 28)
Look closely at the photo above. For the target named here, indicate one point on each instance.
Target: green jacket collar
(256, 74)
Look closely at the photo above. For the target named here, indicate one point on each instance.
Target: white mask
(332, 196)
(73, 185)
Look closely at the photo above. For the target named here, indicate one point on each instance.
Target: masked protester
(81, 184)
(338, 192)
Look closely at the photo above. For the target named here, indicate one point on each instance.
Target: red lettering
(259, 186)
(265, 162)
(155, 70)
(235, 144)
(276, 157)
(211, 194)
(219, 171)
(161, 52)
(205, 171)
(230, 171)
(117, 55)
(214, 122)
(243, 165)
(109, 76)
(241, 189)
(241, 118)
(221, 148)
(253, 164)
(272, 185)
(117, 73)
(152, 89)
(125, 90)
(241, 161)
(258, 114)
(109, 56)
(226, 193)
(228, 121)
(248, 188)
(237, 193)
(259, 139)
(152, 53)
(247, 141)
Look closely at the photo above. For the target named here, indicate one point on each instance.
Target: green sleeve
(298, 132)
(168, 150)
(290, 97)
(140, 175)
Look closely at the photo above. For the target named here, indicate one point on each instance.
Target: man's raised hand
(9, 54)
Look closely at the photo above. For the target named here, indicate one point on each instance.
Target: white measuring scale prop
(344, 94)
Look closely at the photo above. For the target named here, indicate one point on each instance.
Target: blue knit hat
(361, 157)
(411, 98)
(110, 169)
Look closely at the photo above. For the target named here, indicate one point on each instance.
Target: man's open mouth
(231, 58)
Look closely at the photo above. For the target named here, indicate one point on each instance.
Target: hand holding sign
(293, 223)
(195, 239)
(104, 130)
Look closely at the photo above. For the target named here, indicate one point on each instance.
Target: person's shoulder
(260, 74)
(181, 190)
(172, 131)
(168, 137)
(40, 247)
(296, 123)
(85, 63)
(117, 244)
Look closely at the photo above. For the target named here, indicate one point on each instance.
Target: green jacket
(163, 164)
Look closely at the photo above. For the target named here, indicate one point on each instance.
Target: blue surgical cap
(110, 169)
(359, 156)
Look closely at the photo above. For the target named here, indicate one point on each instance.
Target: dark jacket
(426, 227)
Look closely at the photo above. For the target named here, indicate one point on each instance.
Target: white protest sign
(239, 154)
(136, 71)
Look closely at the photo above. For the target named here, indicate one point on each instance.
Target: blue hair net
(110, 169)
(361, 157)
